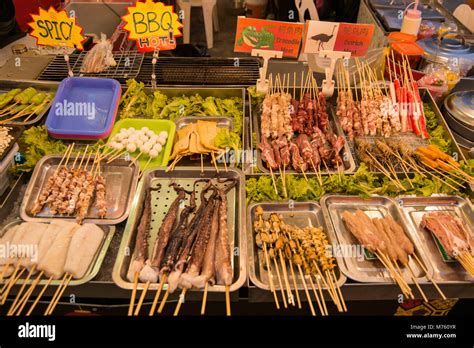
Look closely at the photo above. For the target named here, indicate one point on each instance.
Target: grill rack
(57, 69)
(201, 71)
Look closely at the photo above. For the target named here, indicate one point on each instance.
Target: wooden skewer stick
(285, 278)
(273, 180)
(282, 289)
(431, 279)
(4, 270)
(163, 302)
(308, 297)
(322, 309)
(13, 279)
(28, 294)
(39, 296)
(338, 288)
(270, 276)
(142, 298)
(227, 301)
(120, 153)
(157, 295)
(204, 299)
(58, 290)
(321, 293)
(180, 302)
(20, 292)
(60, 294)
(295, 286)
(413, 277)
(328, 288)
(134, 293)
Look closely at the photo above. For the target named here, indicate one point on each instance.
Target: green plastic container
(156, 126)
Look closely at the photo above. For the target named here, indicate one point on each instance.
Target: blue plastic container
(84, 108)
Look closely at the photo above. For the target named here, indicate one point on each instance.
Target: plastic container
(5, 165)
(411, 50)
(427, 30)
(397, 36)
(156, 126)
(256, 8)
(84, 108)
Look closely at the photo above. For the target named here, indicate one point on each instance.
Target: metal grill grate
(201, 71)
(128, 66)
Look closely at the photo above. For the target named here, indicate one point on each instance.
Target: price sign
(154, 26)
(53, 28)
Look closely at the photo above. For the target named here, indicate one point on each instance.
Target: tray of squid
(185, 233)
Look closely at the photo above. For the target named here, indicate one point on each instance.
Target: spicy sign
(346, 37)
(53, 28)
(154, 26)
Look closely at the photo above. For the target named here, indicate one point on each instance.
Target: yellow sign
(152, 25)
(53, 28)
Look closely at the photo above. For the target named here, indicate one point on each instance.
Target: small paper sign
(268, 35)
(53, 28)
(154, 26)
(345, 37)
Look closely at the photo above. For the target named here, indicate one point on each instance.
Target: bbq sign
(154, 26)
(53, 28)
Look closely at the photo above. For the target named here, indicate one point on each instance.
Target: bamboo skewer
(180, 302)
(338, 288)
(431, 279)
(142, 298)
(321, 303)
(282, 289)
(308, 297)
(134, 293)
(33, 306)
(20, 292)
(270, 275)
(13, 279)
(56, 294)
(413, 277)
(28, 294)
(295, 286)
(68, 279)
(204, 299)
(157, 295)
(227, 301)
(163, 302)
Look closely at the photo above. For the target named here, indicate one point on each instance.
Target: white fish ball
(131, 147)
(153, 154)
(164, 134)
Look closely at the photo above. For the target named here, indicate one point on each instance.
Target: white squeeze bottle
(411, 20)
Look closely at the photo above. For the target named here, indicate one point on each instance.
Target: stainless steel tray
(413, 208)
(95, 264)
(222, 122)
(359, 268)
(121, 182)
(348, 160)
(160, 200)
(298, 214)
(7, 85)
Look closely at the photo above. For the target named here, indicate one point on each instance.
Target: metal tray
(95, 264)
(121, 182)
(413, 208)
(7, 85)
(358, 268)
(186, 178)
(255, 114)
(297, 215)
(410, 138)
(222, 122)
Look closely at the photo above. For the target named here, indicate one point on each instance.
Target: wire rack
(128, 66)
(201, 71)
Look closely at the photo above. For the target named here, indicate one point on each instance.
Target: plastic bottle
(411, 20)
